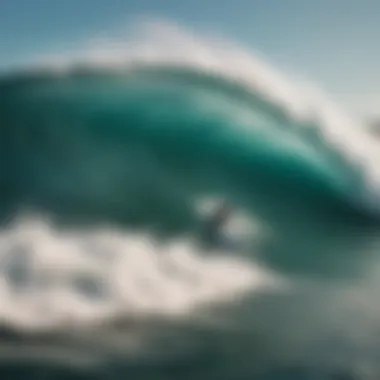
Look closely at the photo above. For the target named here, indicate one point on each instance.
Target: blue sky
(333, 42)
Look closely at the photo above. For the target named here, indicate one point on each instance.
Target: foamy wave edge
(91, 276)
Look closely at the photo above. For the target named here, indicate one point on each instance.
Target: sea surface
(113, 158)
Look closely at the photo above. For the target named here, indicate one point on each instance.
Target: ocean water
(111, 160)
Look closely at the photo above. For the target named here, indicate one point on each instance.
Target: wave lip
(161, 63)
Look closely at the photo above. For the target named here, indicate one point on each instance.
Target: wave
(165, 127)
(136, 136)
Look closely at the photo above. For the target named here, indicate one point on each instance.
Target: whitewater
(112, 157)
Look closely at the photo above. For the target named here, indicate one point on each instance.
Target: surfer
(216, 222)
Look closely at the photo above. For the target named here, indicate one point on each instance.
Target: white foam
(132, 275)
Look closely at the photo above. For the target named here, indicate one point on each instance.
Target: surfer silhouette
(216, 222)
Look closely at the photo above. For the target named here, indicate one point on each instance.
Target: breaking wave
(109, 155)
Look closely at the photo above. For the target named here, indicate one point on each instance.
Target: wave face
(136, 141)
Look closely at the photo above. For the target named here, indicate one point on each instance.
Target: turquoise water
(139, 151)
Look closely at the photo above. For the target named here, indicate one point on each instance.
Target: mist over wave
(112, 155)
